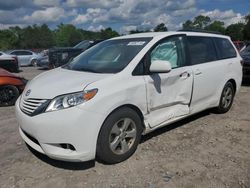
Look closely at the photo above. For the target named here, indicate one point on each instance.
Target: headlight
(70, 100)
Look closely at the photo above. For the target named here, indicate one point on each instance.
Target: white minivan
(100, 103)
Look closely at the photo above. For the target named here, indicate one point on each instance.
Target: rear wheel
(119, 136)
(34, 63)
(8, 95)
(227, 97)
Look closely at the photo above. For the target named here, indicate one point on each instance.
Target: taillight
(242, 62)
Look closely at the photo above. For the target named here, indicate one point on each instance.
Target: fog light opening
(68, 146)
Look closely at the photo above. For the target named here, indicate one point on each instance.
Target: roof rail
(200, 31)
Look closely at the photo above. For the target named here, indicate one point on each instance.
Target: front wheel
(119, 136)
(227, 97)
(8, 95)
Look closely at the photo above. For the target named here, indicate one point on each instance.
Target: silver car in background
(25, 57)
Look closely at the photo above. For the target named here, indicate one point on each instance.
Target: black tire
(8, 95)
(16, 69)
(33, 63)
(51, 66)
(226, 99)
(121, 118)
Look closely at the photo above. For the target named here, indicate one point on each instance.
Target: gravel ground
(205, 150)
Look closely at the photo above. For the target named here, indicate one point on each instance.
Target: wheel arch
(234, 84)
(131, 106)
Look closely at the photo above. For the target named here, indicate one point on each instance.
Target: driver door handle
(185, 74)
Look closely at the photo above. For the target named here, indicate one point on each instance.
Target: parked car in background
(245, 54)
(61, 56)
(42, 60)
(4, 54)
(9, 62)
(25, 57)
(239, 45)
(11, 86)
(99, 104)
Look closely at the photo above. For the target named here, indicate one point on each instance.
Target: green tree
(235, 31)
(187, 25)
(217, 26)
(160, 27)
(8, 39)
(108, 33)
(246, 30)
(45, 37)
(200, 22)
(135, 31)
(67, 35)
(41, 36)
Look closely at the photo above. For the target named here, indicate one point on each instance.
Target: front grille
(30, 106)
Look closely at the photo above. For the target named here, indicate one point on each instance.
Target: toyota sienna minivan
(99, 104)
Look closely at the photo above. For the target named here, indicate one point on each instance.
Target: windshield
(110, 56)
(83, 45)
(246, 51)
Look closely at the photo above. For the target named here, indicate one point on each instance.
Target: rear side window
(201, 49)
(225, 48)
(25, 53)
(21, 53)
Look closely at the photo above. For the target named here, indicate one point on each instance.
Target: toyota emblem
(27, 93)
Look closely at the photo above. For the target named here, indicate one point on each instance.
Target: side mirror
(160, 66)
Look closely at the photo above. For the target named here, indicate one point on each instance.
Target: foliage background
(42, 37)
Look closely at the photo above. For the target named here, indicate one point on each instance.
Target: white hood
(60, 81)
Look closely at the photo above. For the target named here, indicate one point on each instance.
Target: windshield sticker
(136, 43)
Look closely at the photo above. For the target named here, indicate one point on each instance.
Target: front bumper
(47, 132)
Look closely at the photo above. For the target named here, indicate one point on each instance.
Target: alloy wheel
(122, 136)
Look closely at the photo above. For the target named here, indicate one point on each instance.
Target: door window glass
(171, 50)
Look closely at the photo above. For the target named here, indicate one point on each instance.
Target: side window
(25, 53)
(171, 50)
(225, 48)
(1, 54)
(14, 53)
(201, 50)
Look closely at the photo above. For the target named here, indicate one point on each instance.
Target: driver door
(169, 94)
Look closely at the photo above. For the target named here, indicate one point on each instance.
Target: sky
(120, 15)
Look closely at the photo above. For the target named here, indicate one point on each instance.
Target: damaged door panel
(169, 94)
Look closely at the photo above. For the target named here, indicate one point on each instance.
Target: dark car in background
(239, 45)
(62, 55)
(9, 62)
(10, 87)
(43, 60)
(245, 54)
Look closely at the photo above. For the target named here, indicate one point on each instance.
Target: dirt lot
(206, 150)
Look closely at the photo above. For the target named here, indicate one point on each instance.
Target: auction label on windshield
(136, 43)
